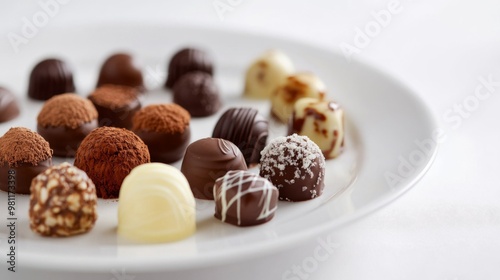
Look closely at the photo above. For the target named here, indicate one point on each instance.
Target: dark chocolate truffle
(197, 93)
(121, 69)
(243, 198)
(188, 60)
(23, 155)
(296, 166)
(208, 159)
(247, 129)
(64, 121)
(164, 128)
(116, 105)
(9, 108)
(50, 77)
(63, 202)
(108, 154)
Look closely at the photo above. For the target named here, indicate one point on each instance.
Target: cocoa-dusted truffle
(63, 202)
(164, 128)
(50, 77)
(116, 105)
(208, 159)
(188, 60)
(23, 155)
(121, 69)
(247, 129)
(108, 154)
(9, 109)
(197, 93)
(243, 198)
(64, 121)
(296, 166)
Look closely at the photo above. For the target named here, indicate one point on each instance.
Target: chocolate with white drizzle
(244, 199)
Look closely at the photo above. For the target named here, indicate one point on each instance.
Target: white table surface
(448, 226)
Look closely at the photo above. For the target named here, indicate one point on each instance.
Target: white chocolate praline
(156, 205)
(266, 73)
(296, 86)
(322, 121)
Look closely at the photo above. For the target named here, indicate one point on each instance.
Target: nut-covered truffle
(23, 155)
(266, 73)
(296, 166)
(108, 154)
(295, 87)
(121, 69)
(64, 121)
(208, 159)
(9, 109)
(322, 121)
(116, 105)
(198, 94)
(188, 60)
(50, 77)
(247, 129)
(164, 128)
(243, 198)
(63, 202)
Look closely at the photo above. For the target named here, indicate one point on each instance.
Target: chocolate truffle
(116, 105)
(296, 166)
(63, 202)
(164, 128)
(50, 77)
(64, 121)
(197, 93)
(322, 121)
(156, 205)
(295, 87)
(23, 155)
(243, 198)
(266, 73)
(208, 159)
(108, 154)
(9, 109)
(188, 60)
(247, 129)
(121, 69)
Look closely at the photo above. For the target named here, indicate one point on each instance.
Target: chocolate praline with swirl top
(247, 129)
(208, 159)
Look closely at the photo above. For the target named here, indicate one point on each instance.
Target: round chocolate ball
(296, 166)
(50, 77)
(23, 155)
(64, 121)
(116, 105)
(107, 155)
(121, 69)
(247, 129)
(197, 93)
(243, 198)
(188, 60)
(63, 202)
(164, 128)
(208, 159)
(9, 108)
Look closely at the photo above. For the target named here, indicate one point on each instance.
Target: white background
(448, 226)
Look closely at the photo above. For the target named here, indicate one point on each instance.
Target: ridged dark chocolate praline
(50, 77)
(247, 129)
(188, 60)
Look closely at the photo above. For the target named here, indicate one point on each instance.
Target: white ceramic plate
(383, 120)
